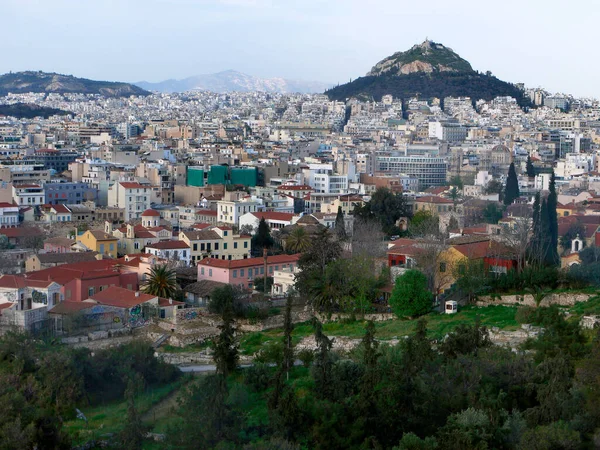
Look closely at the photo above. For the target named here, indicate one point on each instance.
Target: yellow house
(99, 241)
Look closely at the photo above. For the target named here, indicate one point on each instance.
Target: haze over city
(539, 43)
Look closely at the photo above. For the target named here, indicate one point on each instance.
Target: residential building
(134, 197)
(242, 272)
(275, 220)
(99, 241)
(28, 194)
(170, 250)
(216, 242)
(9, 215)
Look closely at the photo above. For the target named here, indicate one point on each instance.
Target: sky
(545, 43)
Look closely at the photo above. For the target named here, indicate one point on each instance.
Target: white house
(134, 197)
(275, 220)
(171, 250)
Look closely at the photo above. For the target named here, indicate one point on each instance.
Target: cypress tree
(536, 241)
(262, 238)
(288, 346)
(323, 366)
(529, 168)
(545, 238)
(553, 257)
(511, 192)
(225, 350)
(340, 228)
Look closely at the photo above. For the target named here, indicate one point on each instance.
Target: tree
(553, 258)
(340, 226)
(494, 187)
(386, 207)
(425, 224)
(161, 282)
(575, 229)
(132, 436)
(4, 243)
(288, 345)
(452, 224)
(313, 263)
(457, 181)
(322, 366)
(259, 284)
(511, 191)
(367, 239)
(529, 168)
(410, 297)
(226, 348)
(262, 239)
(454, 195)
(466, 339)
(470, 277)
(492, 213)
(298, 241)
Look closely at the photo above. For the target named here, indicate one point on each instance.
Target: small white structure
(451, 307)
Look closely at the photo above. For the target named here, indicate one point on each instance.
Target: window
(202, 247)
(111, 247)
(235, 245)
(262, 270)
(185, 254)
(195, 247)
(241, 272)
(224, 233)
(442, 267)
(202, 271)
(225, 246)
(245, 244)
(210, 272)
(235, 274)
(216, 246)
(91, 291)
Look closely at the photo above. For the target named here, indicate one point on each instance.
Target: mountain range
(32, 81)
(233, 81)
(426, 70)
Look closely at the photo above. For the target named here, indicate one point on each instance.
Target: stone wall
(561, 299)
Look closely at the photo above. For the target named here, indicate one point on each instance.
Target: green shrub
(257, 376)
(306, 356)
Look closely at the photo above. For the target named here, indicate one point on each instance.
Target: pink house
(241, 272)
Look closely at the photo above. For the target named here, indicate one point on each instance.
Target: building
(69, 193)
(55, 213)
(216, 242)
(275, 220)
(28, 194)
(430, 171)
(133, 197)
(170, 250)
(242, 272)
(283, 281)
(9, 215)
(229, 212)
(57, 160)
(41, 261)
(433, 204)
(99, 241)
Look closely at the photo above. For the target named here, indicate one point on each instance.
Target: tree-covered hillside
(29, 111)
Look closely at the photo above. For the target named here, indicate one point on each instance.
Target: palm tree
(161, 282)
(298, 241)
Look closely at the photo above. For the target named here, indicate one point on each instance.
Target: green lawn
(438, 325)
(108, 419)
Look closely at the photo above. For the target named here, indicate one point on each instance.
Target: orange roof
(432, 199)
(120, 297)
(150, 213)
(250, 262)
(131, 185)
(168, 245)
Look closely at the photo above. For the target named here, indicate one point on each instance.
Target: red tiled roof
(473, 250)
(150, 213)
(131, 185)
(61, 209)
(7, 205)
(69, 307)
(120, 297)
(168, 302)
(432, 199)
(168, 245)
(273, 215)
(205, 212)
(201, 226)
(12, 282)
(250, 262)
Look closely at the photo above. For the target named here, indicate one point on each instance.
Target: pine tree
(340, 228)
(529, 168)
(545, 236)
(225, 349)
(511, 192)
(553, 258)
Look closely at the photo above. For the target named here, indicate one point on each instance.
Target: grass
(438, 326)
(108, 419)
(589, 308)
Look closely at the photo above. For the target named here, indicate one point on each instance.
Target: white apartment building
(134, 197)
(28, 194)
(230, 211)
(9, 215)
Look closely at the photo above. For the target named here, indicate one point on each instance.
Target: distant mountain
(427, 70)
(233, 81)
(29, 111)
(30, 81)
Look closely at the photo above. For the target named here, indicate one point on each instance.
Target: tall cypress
(529, 168)
(545, 237)
(340, 227)
(511, 191)
(553, 257)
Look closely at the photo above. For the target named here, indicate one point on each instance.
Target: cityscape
(408, 260)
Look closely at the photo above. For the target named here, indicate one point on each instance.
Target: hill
(426, 70)
(30, 81)
(233, 81)
(29, 111)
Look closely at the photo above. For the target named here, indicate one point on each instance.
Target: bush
(306, 356)
(271, 352)
(410, 297)
(257, 376)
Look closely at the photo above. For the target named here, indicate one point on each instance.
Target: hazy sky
(544, 43)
